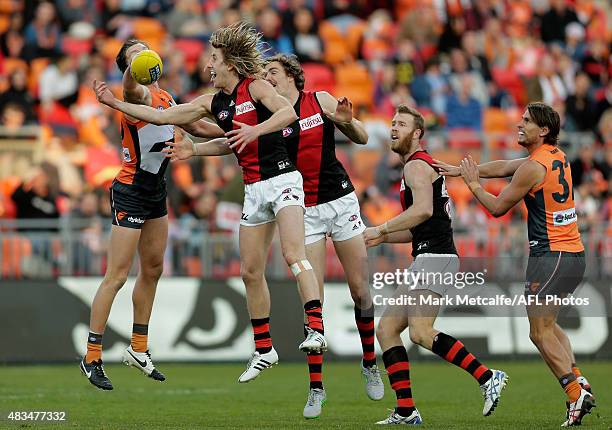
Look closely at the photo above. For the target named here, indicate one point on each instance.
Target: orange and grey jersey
(143, 164)
(552, 221)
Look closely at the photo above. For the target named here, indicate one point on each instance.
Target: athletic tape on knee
(300, 266)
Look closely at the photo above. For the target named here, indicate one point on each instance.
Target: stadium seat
(148, 29)
(353, 81)
(354, 36)
(336, 47)
(191, 49)
(364, 164)
(9, 65)
(110, 48)
(36, 68)
(464, 138)
(511, 82)
(319, 77)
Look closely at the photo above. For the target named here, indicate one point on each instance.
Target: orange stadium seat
(364, 164)
(36, 67)
(353, 81)
(336, 47)
(111, 48)
(9, 65)
(354, 35)
(319, 77)
(148, 29)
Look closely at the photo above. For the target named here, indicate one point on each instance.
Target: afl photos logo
(223, 115)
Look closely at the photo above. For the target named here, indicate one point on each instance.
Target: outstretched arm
(491, 169)
(186, 148)
(178, 115)
(203, 128)
(525, 178)
(283, 114)
(341, 113)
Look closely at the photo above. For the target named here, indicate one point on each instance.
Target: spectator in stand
(580, 109)
(34, 198)
(17, 93)
(43, 35)
(451, 36)
(459, 68)
(605, 128)
(13, 119)
(547, 85)
(186, 19)
(574, 41)
(554, 22)
(306, 41)
(476, 61)
(12, 41)
(462, 109)
(59, 82)
(583, 165)
(497, 46)
(430, 89)
(597, 63)
(408, 62)
(72, 11)
(268, 22)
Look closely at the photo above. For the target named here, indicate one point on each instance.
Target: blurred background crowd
(470, 66)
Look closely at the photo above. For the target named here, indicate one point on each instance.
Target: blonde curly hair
(240, 44)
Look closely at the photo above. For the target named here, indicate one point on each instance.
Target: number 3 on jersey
(560, 166)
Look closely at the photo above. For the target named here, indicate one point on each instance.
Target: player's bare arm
(283, 114)
(133, 92)
(490, 169)
(203, 128)
(419, 177)
(177, 115)
(341, 113)
(526, 177)
(187, 148)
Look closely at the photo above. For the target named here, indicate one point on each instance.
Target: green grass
(208, 396)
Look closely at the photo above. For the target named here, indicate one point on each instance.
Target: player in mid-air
(426, 223)
(252, 114)
(140, 224)
(332, 208)
(556, 258)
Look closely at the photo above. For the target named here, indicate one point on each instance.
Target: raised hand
(344, 111)
(181, 150)
(469, 172)
(103, 93)
(446, 169)
(240, 137)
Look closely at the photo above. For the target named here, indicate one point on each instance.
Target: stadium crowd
(469, 65)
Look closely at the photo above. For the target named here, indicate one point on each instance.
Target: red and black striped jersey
(143, 164)
(312, 149)
(260, 160)
(434, 236)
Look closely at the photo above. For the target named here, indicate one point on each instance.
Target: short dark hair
(419, 120)
(545, 116)
(292, 68)
(121, 59)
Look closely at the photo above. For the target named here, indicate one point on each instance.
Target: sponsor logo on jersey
(232, 103)
(283, 164)
(286, 191)
(287, 131)
(244, 217)
(286, 198)
(344, 184)
(311, 122)
(353, 218)
(402, 185)
(244, 108)
(223, 114)
(126, 154)
(295, 197)
(533, 243)
(135, 220)
(565, 217)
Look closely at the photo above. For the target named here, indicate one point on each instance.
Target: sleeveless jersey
(143, 164)
(312, 149)
(552, 222)
(435, 235)
(264, 158)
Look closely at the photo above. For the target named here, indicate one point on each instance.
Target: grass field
(208, 396)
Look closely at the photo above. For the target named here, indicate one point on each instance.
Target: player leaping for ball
(332, 208)
(252, 114)
(556, 254)
(426, 223)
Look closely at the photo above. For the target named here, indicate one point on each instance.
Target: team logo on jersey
(283, 164)
(286, 191)
(287, 131)
(565, 217)
(311, 122)
(244, 108)
(126, 154)
(223, 114)
(353, 218)
(121, 215)
(160, 108)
